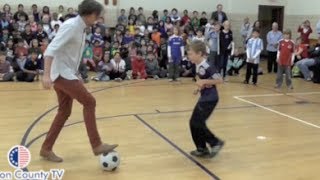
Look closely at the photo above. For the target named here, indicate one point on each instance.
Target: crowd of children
(141, 47)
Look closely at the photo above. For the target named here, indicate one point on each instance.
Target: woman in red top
(301, 50)
(305, 31)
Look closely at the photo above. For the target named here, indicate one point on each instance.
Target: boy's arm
(259, 50)
(216, 79)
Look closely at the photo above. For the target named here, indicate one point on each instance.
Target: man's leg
(76, 90)
(64, 111)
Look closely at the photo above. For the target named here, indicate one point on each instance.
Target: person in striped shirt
(285, 59)
(254, 49)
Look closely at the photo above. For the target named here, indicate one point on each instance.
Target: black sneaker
(200, 153)
(216, 148)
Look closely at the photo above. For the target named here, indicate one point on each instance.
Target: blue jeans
(304, 65)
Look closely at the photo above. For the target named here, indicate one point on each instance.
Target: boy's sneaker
(178, 79)
(200, 153)
(290, 87)
(156, 77)
(215, 149)
(277, 87)
(255, 84)
(118, 79)
(170, 80)
(95, 78)
(245, 82)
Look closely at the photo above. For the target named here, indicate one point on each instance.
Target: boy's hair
(20, 40)
(198, 47)
(256, 30)
(123, 10)
(3, 53)
(165, 11)
(140, 8)
(204, 13)
(288, 32)
(174, 9)
(195, 12)
(139, 53)
(20, 5)
(88, 7)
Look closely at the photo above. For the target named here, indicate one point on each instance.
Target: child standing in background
(285, 59)
(175, 54)
(254, 49)
(213, 38)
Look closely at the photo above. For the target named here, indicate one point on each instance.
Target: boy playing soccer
(208, 78)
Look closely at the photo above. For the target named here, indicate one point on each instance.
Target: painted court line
(277, 94)
(277, 112)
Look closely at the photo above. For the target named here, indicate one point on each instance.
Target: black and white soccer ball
(110, 161)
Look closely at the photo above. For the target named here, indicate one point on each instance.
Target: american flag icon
(19, 157)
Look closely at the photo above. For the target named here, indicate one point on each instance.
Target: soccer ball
(109, 161)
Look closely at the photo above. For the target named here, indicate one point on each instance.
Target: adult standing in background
(219, 15)
(256, 25)
(318, 28)
(245, 27)
(305, 31)
(273, 38)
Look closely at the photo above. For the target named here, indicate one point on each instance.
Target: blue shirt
(214, 41)
(272, 39)
(208, 71)
(175, 48)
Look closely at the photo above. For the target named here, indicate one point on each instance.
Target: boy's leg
(171, 70)
(176, 71)
(20, 76)
(248, 73)
(8, 76)
(255, 73)
(288, 76)
(199, 130)
(29, 77)
(279, 76)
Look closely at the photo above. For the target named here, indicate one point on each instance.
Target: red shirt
(286, 49)
(97, 51)
(138, 65)
(20, 50)
(184, 20)
(304, 53)
(305, 34)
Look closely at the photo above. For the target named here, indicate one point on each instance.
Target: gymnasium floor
(269, 135)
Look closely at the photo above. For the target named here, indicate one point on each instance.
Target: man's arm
(47, 82)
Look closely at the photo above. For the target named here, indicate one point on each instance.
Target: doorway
(267, 15)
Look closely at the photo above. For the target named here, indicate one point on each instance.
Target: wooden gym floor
(268, 134)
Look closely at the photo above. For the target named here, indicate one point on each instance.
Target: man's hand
(46, 82)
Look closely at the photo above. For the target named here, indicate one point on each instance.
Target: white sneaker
(156, 77)
(170, 80)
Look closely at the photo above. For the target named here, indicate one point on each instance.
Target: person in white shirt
(55, 20)
(118, 72)
(245, 27)
(318, 28)
(62, 59)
